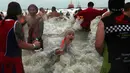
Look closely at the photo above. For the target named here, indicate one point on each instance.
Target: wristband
(36, 39)
(34, 46)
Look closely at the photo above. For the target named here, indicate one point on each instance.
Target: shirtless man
(35, 25)
(54, 13)
(42, 13)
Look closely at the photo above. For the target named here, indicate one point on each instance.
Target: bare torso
(54, 14)
(32, 21)
(34, 24)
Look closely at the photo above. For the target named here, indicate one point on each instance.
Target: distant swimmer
(89, 14)
(35, 24)
(43, 13)
(54, 13)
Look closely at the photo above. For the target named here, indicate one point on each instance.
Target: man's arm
(41, 27)
(20, 37)
(100, 12)
(100, 35)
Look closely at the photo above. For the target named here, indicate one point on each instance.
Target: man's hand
(37, 44)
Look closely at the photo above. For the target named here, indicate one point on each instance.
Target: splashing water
(82, 59)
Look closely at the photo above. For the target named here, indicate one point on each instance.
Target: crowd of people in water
(112, 37)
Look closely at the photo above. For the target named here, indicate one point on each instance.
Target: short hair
(53, 8)
(127, 6)
(41, 8)
(90, 4)
(33, 5)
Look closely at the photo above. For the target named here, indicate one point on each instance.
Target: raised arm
(100, 12)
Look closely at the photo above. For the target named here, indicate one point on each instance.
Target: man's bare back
(54, 13)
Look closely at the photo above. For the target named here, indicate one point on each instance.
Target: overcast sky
(49, 3)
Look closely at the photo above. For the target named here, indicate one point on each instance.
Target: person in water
(35, 24)
(66, 43)
(89, 14)
(54, 13)
(114, 31)
(65, 47)
(43, 13)
(12, 41)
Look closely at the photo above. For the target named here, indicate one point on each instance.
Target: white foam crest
(55, 26)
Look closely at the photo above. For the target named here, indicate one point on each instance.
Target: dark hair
(41, 8)
(127, 6)
(116, 5)
(13, 10)
(53, 8)
(90, 4)
(33, 5)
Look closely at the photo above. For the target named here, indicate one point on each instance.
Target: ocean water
(82, 59)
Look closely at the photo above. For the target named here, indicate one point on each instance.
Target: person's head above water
(53, 8)
(13, 10)
(90, 4)
(69, 34)
(42, 9)
(32, 9)
(116, 5)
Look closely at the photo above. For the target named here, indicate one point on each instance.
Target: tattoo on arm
(41, 26)
(18, 31)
